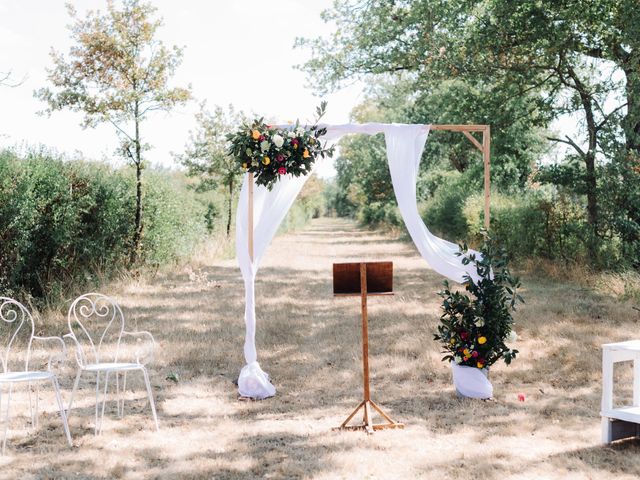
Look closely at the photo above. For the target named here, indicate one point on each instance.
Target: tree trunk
(137, 234)
(631, 123)
(586, 99)
(592, 200)
(230, 201)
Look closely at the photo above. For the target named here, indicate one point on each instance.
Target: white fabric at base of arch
(405, 144)
(471, 382)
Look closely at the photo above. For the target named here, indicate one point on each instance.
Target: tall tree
(565, 55)
(117, 72)
(206, 156)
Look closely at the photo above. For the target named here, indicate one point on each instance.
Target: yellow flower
(255, 134)
(245, 166)
(266, 161)
(295, 146)
(453, 340)
(480, 364)
(305, 154)
(482, 340)
(466, 352)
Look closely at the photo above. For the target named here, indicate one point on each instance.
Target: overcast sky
(238, 52)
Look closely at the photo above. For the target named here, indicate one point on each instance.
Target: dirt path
(310, 344)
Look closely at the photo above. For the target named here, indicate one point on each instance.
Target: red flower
(262, 138)
(280, 157)
(521, 397)
(474, 354)
(463, 335)
(282, 170)
(295, 141)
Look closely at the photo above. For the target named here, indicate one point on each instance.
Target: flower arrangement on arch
(473, 331)
(270, 152)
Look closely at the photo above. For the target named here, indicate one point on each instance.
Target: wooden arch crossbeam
(467, 130)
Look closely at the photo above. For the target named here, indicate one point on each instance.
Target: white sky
(238, 52)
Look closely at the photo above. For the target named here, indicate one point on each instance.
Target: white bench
(621, 422)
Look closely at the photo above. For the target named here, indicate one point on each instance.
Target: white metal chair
(96, 325)
(17, 323)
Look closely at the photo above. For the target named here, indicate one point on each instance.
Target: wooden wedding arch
(467, 130)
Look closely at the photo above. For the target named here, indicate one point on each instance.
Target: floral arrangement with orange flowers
(270, 152)
(473, 331)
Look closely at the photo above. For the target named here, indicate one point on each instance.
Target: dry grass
(309, 343)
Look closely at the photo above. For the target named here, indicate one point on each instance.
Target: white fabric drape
(471, 382)
(269, 209)
(405, 144)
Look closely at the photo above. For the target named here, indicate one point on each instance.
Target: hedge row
(65, 223)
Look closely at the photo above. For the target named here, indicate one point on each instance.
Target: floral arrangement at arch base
(473, 330)
(270, 152)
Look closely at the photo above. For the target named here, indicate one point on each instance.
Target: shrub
(442, 212)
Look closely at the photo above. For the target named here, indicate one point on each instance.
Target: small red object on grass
(521, 397)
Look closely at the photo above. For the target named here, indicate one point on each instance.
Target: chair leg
(65, 423)
(124, 391)
(121, 393)
(6, 419)
(73, 392)
(33, 419)
(118, 394)
(37, 406)
(150, 394)
(97, 392)
(104, 399)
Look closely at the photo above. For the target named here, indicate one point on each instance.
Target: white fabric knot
(254, 382)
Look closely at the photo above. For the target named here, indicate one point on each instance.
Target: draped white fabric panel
(405, 144)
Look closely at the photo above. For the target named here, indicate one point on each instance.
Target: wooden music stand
(363, 279)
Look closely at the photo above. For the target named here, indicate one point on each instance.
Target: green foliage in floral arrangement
(473, 330)
(270, 152)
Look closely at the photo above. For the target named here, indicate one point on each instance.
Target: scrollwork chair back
(96, 322)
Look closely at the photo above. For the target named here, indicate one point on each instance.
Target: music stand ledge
(364, 279)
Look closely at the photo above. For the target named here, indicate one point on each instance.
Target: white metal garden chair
(96, 325)
(16, 324)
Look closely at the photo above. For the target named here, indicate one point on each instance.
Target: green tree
(206, 155)
(117, 72)
(565, 56)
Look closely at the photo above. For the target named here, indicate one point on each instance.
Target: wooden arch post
(485, 148)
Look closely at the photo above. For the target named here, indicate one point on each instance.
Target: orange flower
(305, 154)
(480, 364)
(255, 134)
(482, 340)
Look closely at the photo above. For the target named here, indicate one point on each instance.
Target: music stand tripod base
(367, 421)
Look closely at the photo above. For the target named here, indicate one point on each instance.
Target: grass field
(310, 344)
